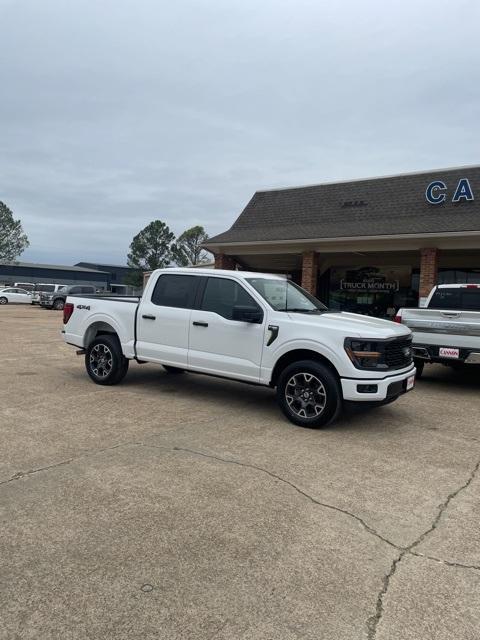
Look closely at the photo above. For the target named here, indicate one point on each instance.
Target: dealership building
(364, 245)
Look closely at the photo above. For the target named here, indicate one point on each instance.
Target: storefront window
(459, 276)
(374, 291)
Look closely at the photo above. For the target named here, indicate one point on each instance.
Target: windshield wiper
(297, 310)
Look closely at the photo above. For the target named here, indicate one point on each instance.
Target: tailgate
(448, 327)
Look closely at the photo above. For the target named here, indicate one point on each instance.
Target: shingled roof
(392, 205)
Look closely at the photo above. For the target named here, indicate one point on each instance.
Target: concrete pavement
(188, 507)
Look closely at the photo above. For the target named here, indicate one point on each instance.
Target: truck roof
(221, 272)
(471, 285)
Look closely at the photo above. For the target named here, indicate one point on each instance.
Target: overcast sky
(114, 113)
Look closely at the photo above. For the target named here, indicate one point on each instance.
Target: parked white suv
(251, 327)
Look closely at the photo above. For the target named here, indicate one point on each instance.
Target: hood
(353, 324)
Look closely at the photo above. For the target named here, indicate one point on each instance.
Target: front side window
(75, 290)
(283, 295)
(175, 291)
(222, 295)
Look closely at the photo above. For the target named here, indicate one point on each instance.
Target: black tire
(104, 360)
(3, 300)
(58, 304)
(419, 364)
(174, 370)
(309, 394)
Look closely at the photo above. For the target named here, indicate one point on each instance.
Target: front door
(219, 344)
(163, 321)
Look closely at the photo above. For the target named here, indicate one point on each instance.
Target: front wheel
(309, 394)
(105, 362)
(3, 300)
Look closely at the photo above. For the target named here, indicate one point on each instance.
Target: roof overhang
(401, 242)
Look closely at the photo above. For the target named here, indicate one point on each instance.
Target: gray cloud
(117, 112)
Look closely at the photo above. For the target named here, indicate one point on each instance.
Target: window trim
(203, 288)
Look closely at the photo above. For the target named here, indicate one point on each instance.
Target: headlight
(366, 354)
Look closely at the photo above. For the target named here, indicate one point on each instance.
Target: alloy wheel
(101, 360)
(306, 395)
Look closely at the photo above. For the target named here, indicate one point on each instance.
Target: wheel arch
(98, 328)
(300, 354)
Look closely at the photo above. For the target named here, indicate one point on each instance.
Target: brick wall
(310, 271)
(428, 270)
(223, 261)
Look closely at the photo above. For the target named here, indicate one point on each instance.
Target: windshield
(283, 295)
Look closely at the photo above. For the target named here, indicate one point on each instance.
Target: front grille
(398, 353)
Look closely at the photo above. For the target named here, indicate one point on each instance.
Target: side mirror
(247, 314)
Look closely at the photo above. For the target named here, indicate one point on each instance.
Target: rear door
(163, 322)
(219, 344)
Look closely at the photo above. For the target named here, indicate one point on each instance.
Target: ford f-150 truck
(447, 328)
(250, 327)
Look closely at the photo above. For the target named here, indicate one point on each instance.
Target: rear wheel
(58, 304)
(104, 360)
(174, 370)
(309, 394)
(3, 300)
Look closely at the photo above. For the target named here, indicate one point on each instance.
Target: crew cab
(447, 328)
(251, 327)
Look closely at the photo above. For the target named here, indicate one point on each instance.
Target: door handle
(200, 324)
(147, 317)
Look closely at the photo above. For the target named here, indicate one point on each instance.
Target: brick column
(310, 271)
(428, 270)
(222, 261)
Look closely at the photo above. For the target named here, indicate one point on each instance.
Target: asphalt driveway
(188, 507)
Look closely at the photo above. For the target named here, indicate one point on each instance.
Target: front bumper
(46, 303)
(388, 387)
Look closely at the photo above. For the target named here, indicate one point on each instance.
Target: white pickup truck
(447, 328)
(251, 327)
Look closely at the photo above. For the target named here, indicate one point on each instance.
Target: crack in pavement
(326, 505)
(373, 621)
(449, 563)
(86, 454)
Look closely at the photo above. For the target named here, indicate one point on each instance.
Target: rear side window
(222, 294)
(175, 291)
(462, 299)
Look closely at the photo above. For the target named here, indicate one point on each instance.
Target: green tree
(152, 248)
(13, 240)
(188, 249)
